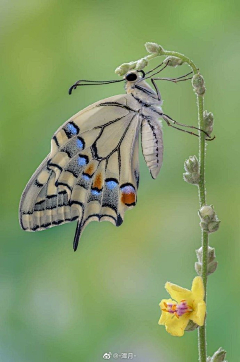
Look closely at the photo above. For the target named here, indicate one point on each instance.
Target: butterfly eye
(131, 77)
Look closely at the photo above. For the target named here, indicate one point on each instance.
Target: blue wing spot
(82, 161)
(95, 192)
(72, 128)
(127, 189)
(80, 143)
(111, 184)
(86, 177)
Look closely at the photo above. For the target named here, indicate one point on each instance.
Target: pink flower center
(177, 309)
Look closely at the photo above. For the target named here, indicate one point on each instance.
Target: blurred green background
(56, 305)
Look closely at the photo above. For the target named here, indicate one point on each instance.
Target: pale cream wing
(91, 172)
(152, 145)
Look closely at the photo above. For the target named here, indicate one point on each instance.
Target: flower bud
(123, 69)
(198, 268)
(154, 48)
(206, 213)
(191, 164)
(213, 226)
(219, 355)
(191, 326)
(209, 220)
(173, 61)
(142, 63)
(197, 81)
(208, 121)
(191, 178)
(204, 226)
(191, 167)
(211, 263)
(132, 65)
(211, 254)
(198, 84)
(200, 91)
(212, 267)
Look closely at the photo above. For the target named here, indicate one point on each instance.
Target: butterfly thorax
(142, 92)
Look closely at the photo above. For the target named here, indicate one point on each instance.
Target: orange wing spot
(98, 182)
(128, 198)
(89, 170)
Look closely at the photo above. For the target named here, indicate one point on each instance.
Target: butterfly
(92, 171)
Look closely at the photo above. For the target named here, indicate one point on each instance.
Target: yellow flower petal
(165, 315)
(197, 289)
(176, 326)
(177, 293)
(199, 312)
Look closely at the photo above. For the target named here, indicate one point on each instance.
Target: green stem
(202, 342)
(202, 200)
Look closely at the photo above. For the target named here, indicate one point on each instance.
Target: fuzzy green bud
(198, 268)
(219, 355)
(210, 268)
(206, 213)
(191, 167)
(213, 226)
(154, 48)
(132, 65)
(211, 263)
(197, 81)
(191, 326)
(208, 121)
(142, 63)
(200, 91)
(123, 69)
(191, 164)
(173, 61)
(198, 84)
(209, 220)
(191, 178)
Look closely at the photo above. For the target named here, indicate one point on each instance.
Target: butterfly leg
(169, 120)
(156, 89)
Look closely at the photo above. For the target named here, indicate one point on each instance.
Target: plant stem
(202, 342)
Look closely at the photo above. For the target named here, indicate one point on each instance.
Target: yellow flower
(187, 305)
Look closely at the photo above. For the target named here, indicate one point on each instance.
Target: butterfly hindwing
(152, 145)
(91, 172)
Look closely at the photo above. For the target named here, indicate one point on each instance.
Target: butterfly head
(134, 76)
(139, 88)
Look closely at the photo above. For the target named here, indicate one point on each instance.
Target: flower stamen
(177, 309)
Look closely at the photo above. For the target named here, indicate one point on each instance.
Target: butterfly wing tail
(77, 235)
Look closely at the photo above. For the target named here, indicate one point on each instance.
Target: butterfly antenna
(83, 82)
(158, 66)
(155, 73)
